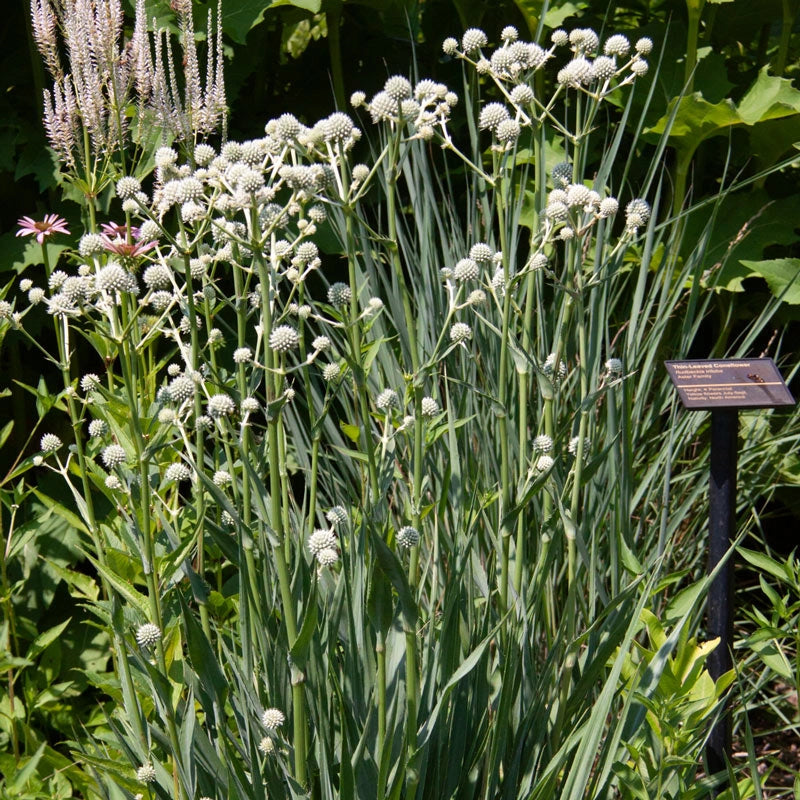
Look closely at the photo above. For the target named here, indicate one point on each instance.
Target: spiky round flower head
(336, 515)
(575, 441)
(539, 261)
(408, 536)
(481, 253)
(149, 231)
(215, 336)
(317, 213)
(327, 557)
(522, 94)
(503, 62)
(177, 472)
(460, 332)
(549, 367)
(181, 388)
(321, 343)
(220, 405)
(450, 46)
(637, 212)
(339, 294)
(250, 181)
(222, 478)
(451, 99)
(429, 407)
(157, 276)
(91, 244)
(165, 157)
(56, 279)
(321, 539)
(25, 284)
(204, 154)
(357, 99)
(577, 195)
(360, 173)
(544, 463)
(203, 423)
(331, 372)
(127, 187)
(90, 382)
(639, 68)
(398, 88)
(644, 45)
(542, 444)
(113, 278)
(492, 115)
(37, 461)
(242, 355)
(559, 37)
(603, 68)
(306, 251)
(113, 482)
(146, 773)
(167, 416)
(465, 270)
(287, 127)
(556, 211)
(304, 311)
(338, 127)
(509, 34)
(614, 366)
(284, 338)
(566, 233)
(584, 39)
(250, 405)
(148, 634)
(227, 519)
(382, 107)
(608, 207)
(98, 428)
(386, 400)
(473, 39)
(160, 300)
(476, 297)
(617, 45)
(266, 745)
(507, 132)
(113, 455)
(576, 72)
(561, 175)
(50, 443)
(36, 295)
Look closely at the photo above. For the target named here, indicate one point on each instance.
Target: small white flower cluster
(425, 107)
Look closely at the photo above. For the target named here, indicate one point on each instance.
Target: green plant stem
(276, 493)
(788, 15)
(694, 9)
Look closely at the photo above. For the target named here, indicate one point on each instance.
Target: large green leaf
(696, 119)
(781, 274)
(239, 18)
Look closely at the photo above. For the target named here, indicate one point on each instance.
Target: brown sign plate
(729, 383)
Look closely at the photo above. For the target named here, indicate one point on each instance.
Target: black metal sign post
(723, 387)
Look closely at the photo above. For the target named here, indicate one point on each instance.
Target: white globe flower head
(321, 343)
(408, 536)
(473, 39)
(614, 366)
(176, 473)
(272, 719)
(492, 115)
(266, 746)
(250, 405)
(321, 539)
(113, 456)
(450, 46)
(113, 482)
(460, 332)
(542, 444)
(146, 774)
(337, 515)
(387, 400)
(429, 407)
(284, 338)
(331, 372)
(466, 270)
(339, 294)
(544, 463)
(617, 45)
(98, 428)
(327, 557)
(220, 405)
(50, 443)
(242, 355)
(148, 634)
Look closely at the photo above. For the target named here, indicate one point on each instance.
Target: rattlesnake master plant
(362, 451)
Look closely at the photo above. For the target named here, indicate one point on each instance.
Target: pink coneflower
(115, 230)
(126, 249)
(51, 224)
